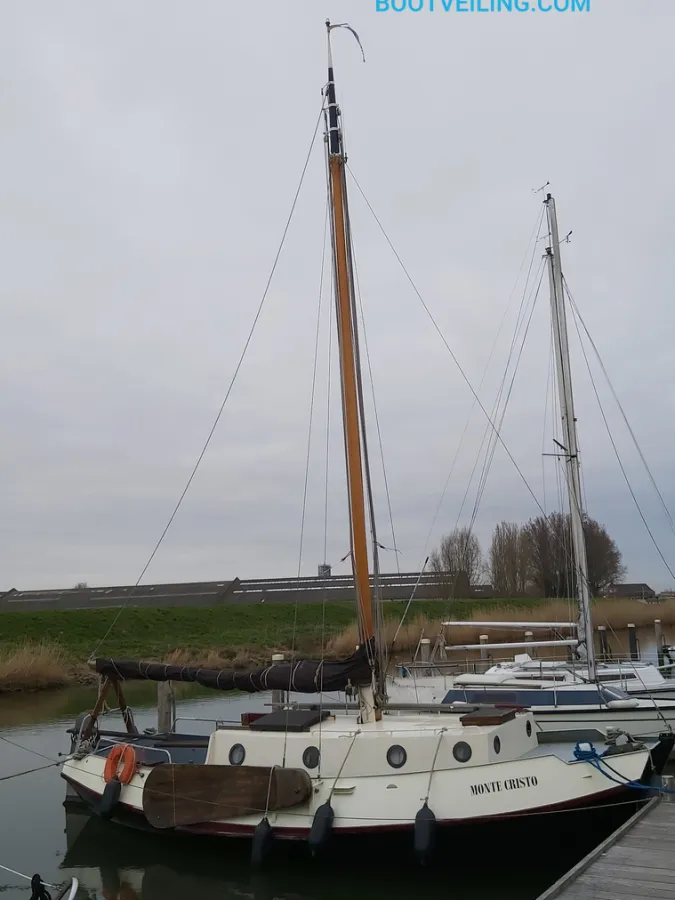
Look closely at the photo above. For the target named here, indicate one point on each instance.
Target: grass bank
(46, 649)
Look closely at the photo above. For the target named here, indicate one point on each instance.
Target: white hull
(649, 721)
(369, 795)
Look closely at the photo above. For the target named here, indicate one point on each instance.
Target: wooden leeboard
(188, 794)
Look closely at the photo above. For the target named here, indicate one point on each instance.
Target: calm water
(40, 834)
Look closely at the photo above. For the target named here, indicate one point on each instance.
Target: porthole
(237, 754)
(461, 751)
(528, 728)
(310, 757)
(497, 744)
(396, 756)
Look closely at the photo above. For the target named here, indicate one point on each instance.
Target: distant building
(632, 591)
(324, 570)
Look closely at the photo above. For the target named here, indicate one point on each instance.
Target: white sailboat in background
(562, 696)
(308, 774)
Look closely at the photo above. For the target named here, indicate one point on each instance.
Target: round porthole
(461, 751)
(396, 756)
(310, 757)
(497, 744)
(237, 754)
(528, 728)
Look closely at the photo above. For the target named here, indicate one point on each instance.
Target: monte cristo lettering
(510, 784)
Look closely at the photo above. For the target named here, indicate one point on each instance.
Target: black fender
(110, 798)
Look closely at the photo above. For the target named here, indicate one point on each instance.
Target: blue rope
(586, 752)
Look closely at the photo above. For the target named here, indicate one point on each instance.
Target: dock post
(278, 697)
(668, 782)
(660, 641)
(484, 663)
(602, 641)
(529, 637)
(425, 653)
(632, 641)
(166, 707)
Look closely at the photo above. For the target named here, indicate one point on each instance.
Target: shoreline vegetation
(49, 649)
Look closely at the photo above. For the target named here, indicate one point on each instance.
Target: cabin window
(310, 757)
(497, 744)
(461, 751)
(237, 754)
(528, 728)
(396, 756)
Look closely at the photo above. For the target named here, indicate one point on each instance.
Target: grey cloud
(150, 156)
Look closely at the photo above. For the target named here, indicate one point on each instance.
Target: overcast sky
(150, 153)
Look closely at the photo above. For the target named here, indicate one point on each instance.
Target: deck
(636, 862)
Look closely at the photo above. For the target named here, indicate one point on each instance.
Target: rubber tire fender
(110, 798)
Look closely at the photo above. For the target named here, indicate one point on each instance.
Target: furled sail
(306, 676)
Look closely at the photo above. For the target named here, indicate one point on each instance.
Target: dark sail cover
(305, 676)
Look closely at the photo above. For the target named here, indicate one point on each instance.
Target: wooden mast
(346, 326)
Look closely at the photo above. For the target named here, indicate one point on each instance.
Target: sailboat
(304, 773)
(561, 696)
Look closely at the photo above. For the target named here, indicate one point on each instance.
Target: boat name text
(510, 784)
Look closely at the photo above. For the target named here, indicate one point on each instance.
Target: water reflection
(115, 862)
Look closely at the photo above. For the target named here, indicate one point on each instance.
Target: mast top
(335, 143)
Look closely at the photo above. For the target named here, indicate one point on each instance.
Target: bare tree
(604, 558)
(552, 570)
(550, 553)
(509, 559)
(459, 552)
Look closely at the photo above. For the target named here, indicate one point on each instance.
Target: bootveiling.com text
(483, 6)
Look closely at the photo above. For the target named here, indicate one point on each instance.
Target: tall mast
(570, 438)
(352, 413)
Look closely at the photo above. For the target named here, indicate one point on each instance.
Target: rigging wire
(549, 390)
(219, 414)
(616, 451)
(534, 237)
(313, 392)
(324, 598)
(30, 771)
(632, 434)
(27, 749)
(317, 335)
(453, 356)
(492, 444)
(488, 441)
(488, 435)
(437, 328)
(376, 414)
(520, 318)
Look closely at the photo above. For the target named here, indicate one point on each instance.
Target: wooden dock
(636, 862)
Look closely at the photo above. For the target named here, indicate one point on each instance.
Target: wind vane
(330, 28)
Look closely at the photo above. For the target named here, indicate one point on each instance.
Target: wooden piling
(278, 697)
(425, 653)
(632, 642)
(166, 707)
(660, 640)
(484, 663)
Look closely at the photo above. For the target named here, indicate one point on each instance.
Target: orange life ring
(120, 753)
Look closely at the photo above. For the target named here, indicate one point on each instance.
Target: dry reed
(616, 614)
(218, 658)
(33, 667)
